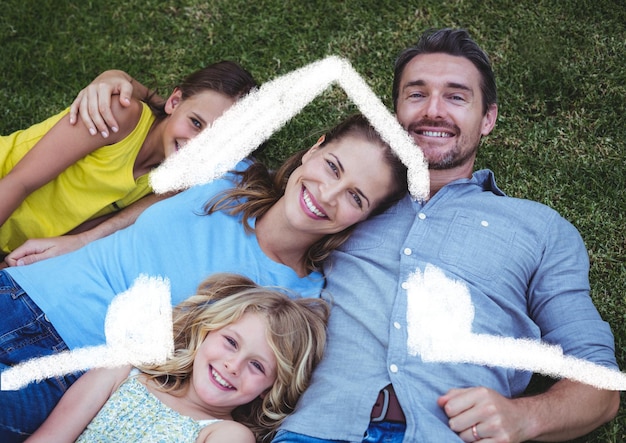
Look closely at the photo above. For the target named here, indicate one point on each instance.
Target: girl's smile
(219, 380)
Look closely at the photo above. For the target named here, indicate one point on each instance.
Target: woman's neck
(281, 243)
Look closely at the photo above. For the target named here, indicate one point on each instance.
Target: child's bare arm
(62, 146)
(37, 249)
(80, 404)
(93, 103)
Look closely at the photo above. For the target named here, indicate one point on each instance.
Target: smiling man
(525, 266)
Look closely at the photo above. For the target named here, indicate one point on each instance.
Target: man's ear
(173, 101)
(313, 148)
(489, 119)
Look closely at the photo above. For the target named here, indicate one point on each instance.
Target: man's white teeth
(436, 134)
(220, 380)
(310, 206)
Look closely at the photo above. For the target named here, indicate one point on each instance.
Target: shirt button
(421, 216)
(405, 285)
(393, 368)
(407, 251)
(396, 325)
(484, 223)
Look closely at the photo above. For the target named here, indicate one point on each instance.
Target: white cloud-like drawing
(439, 320)
(439, 327)
(138, 330)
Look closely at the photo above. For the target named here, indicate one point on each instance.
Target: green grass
(559, 64)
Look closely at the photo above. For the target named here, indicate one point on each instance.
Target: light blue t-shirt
(526, 269)
(172, 239)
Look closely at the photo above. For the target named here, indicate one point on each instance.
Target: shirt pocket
(479, 246)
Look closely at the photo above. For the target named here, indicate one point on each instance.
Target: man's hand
(495, 417)
(37, 249)
(567, 410)
(94, 101)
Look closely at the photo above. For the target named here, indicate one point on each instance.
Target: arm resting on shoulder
(60, 147)
(93, 103)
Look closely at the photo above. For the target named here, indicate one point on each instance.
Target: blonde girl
(243, 356)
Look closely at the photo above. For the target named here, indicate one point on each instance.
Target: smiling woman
(340, 184)
(274, 227)
(317, 196)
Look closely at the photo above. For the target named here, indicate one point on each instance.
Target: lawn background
(559, 66)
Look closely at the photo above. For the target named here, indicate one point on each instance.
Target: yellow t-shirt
(100, 183)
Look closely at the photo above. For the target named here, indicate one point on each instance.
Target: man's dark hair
(456, 42)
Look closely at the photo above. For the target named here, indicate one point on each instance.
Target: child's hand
(37, 249)
(94, 101)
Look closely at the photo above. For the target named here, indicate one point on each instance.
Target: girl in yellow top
(55, 176)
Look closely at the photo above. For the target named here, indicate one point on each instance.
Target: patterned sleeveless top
(133, 414)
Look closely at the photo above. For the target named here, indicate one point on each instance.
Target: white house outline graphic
(234, 136)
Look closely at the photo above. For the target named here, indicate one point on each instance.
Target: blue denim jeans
(26, 333)
(379, 432)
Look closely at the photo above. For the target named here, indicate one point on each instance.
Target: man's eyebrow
(414, 83)
(460, 86)
(357, 189)
(450, 85)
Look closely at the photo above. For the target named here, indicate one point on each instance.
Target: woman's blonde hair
(259, 188)
(296, 332)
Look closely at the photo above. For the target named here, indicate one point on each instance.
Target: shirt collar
(487, 181)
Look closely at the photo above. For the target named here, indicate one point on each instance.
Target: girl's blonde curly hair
(296, 332)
